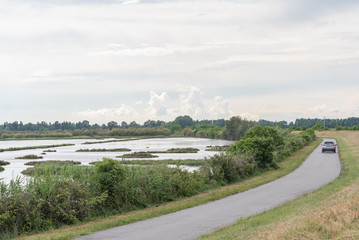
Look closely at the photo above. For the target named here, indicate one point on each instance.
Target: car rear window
(329, 143)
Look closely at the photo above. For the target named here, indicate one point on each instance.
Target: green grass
(252, 227)
(41, 166)
(286, 166)
(1, 169)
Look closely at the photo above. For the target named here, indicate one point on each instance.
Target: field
(329, 213)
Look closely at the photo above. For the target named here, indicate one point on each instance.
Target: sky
(136, 60)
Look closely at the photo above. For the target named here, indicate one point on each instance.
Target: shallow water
(69, 153)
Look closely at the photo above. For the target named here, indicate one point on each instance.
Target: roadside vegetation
(66, 195)
(328, 213)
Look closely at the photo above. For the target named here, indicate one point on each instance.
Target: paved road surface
(317, 170)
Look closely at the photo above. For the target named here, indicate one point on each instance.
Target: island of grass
(177, 150)
(49, 150)
(217, 148)
(41, 167)
(185, 162)
(30, 156)
(1, 169)
(105, 150)
(34, 147)
(110, 141)
(138, 155)
(3, 163)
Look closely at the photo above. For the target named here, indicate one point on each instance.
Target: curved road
(317, 170)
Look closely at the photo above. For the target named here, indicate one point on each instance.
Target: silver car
(329, 146)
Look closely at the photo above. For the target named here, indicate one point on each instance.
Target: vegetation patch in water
(110, 141)
(177, 150)
(217, 148)
(186, 162)
(138, 155)
(44, 166)
(1, 169)
(105, 150)
(49, 150)
(34, 147)
(3, 163)
(30, 156)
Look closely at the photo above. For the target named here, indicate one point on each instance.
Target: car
(329, 146)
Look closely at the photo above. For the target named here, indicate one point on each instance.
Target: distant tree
(184, 121)
(133, 124)
(111, 125)
(124, 124)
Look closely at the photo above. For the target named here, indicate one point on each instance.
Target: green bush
(228, 168)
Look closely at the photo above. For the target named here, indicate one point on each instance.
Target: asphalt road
(317, 170)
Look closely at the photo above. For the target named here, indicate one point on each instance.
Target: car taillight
(323, 145)
(333, 145)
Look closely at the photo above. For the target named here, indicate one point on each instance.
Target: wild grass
(138, 155)
(331, 212)
(177, 150)
(45, 167)
(105, 150)
(110, 141)
(186, 162)
(217, 148)
(30, 156)
(3, 163)
(1, 169)
(34, 147)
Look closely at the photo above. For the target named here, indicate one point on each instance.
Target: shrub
(229, 168)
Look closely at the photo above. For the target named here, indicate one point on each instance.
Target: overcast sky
(137, 60)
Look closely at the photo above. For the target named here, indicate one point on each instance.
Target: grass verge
(319, 215)
(99, 224)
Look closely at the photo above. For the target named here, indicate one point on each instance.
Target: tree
(184, 121)
(111, 125)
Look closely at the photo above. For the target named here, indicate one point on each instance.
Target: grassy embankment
(332, 212)
(286, 166)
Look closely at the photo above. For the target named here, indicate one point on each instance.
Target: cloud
(190, 101)
(157, 105)
(124, 112)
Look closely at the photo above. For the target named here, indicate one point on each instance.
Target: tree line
(231, 129)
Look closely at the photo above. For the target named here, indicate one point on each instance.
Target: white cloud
(158, 105)
(103, 115)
